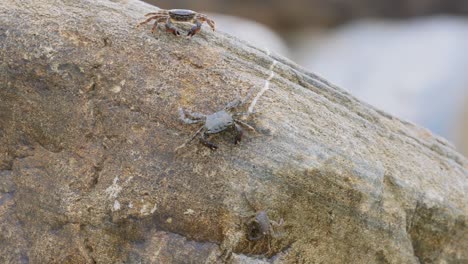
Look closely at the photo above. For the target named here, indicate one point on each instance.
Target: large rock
(89, 171)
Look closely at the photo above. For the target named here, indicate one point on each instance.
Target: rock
(89, 173)
(386, 64)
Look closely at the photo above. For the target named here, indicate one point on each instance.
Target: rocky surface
(89, 171)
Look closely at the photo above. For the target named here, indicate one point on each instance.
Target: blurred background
(407, 57)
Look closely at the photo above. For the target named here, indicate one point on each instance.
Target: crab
(260, 226)
(176, 16)
(217, 122)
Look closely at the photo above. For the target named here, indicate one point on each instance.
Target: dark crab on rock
(177, 16)
(216, 122)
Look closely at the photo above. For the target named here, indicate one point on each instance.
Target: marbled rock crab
(177, 16)
(217, 122)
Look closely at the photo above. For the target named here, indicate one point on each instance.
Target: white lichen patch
(189, 212)
(145, 209)
(128, 180)
(54, 67)
(154, 209)
(135, 155)
(116, 206)
(114, 190)
(116, 89)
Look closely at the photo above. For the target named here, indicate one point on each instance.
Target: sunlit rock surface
(89, 172)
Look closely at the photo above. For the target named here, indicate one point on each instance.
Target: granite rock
(89, 171)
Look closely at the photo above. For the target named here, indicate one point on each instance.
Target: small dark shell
(181, 14)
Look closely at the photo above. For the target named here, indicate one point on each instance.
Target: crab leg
(211, 23)
(195, 29)
(204, 18)
(170, 27)
(190, 140)
(155, 26)
(207, 143)
(239, 135)
(195, 115)
(233, 104)
(246, 125)
(186, 120)
(238, 102)
(157, 17)
(243, 114)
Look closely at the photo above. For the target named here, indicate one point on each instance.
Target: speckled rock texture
(89, 172)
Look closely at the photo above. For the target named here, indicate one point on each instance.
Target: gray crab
(259, 224)
(175, 16)
(260, 228)
(216, 122)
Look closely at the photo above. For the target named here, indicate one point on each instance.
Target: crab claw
(172, 29)
(207, 143)
(190, 34)
(210, 145)
(238, 137)
(195, 29)
(214, 147)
